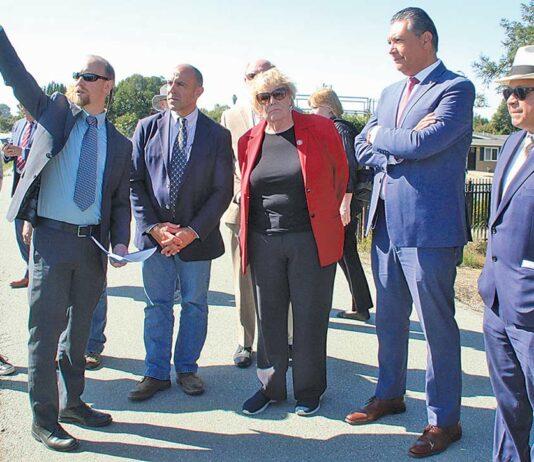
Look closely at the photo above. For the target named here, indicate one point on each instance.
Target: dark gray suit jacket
(56, 117)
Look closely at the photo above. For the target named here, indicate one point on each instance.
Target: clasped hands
(172, 237)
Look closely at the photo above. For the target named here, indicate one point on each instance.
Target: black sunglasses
(88, 76)
(519, 92)
(278, 94)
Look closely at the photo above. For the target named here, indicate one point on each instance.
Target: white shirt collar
(422, 75)
(191, 118)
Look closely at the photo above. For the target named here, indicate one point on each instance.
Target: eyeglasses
(278, 94)
(251, 75)
(519, 92)
(88, 76)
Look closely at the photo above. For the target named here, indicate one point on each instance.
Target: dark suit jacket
(325, 172)
(206, 188)
(508, 273)
(425, 199)
(16, 139)
(56, 117)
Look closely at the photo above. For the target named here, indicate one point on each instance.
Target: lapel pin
(300, 142)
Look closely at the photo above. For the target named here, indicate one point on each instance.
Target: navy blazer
(206, 188)
(16, 139)
(56, 116)
(425, 204)
(508, 274)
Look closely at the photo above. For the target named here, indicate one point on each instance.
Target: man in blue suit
(507, 281)
(417, 143)
(17, 152)
(181, 184)
(75, 186)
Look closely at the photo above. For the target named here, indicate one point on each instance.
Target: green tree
(126, 123)
(517, 34)
(216, 112)
(133, 95)
(358, 120)
(54, 87)
(481, 124)
(5, 111)
(501, 123)
(6, 118)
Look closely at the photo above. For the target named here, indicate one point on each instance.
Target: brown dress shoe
(376, 408)
(435, 440)
(19, 283)
(190, 382)
(147, 388)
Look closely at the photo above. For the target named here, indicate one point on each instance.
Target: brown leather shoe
(376, 408)
(19, 283)
(190, 382)
(147, 388)
(435, 440)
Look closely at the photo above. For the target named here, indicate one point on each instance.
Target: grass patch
(475, 254)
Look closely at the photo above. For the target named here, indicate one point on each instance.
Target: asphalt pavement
(173, 426)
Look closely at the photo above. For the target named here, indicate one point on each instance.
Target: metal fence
(477, 197)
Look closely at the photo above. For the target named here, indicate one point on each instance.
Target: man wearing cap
(507, 281)
(238, 120)
(418, 141)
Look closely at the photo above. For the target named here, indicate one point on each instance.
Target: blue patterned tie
(178, 163)
(85, 189)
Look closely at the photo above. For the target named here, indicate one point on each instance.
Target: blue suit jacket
(506, 279)
(16, 139)
(425, 199)
(56, 117)
(206, 189)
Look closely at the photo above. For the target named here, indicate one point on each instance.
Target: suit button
(494, 258)
(167, 206)
(493, 230)
(312, 215)
(49, 155)
(308, 190)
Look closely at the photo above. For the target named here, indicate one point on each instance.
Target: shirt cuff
(194, 232)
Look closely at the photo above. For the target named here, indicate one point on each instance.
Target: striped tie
(85, 189)
(20, 162)
(178, 163)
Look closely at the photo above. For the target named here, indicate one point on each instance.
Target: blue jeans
(160, 275)
(98, 324)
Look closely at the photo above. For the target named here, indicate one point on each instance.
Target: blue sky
(341, 43)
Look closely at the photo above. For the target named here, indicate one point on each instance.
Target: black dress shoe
(243, 356)
(147, 388)
(57, 440)
(85, 416)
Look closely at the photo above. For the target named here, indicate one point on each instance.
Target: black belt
(80, 231)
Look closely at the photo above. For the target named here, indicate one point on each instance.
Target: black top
(277, 198)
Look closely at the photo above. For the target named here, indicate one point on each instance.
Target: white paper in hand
(135, 257)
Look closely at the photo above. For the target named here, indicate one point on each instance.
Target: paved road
(173, 426)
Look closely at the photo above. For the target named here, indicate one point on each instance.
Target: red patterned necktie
(413, 81)
(20, 162)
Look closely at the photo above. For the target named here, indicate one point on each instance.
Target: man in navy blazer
(66, 209)
(417, 143)
(507, 281)
(181, 184)
(17, 152)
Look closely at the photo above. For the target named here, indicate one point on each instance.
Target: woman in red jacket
(294, 176)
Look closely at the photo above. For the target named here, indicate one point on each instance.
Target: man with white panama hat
(507, 281)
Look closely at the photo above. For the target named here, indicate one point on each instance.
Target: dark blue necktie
(178, 163)
(85, 189)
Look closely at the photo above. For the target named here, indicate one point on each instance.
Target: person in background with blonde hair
(325, 102)
(294, 176)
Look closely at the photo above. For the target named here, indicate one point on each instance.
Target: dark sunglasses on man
(519, 92)
(88, 76)
(278, 94)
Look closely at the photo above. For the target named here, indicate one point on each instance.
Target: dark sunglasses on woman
(278, 94)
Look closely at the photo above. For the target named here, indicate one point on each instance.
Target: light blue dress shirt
(58, 178)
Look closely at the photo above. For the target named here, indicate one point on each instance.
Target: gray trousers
(67, 279)
(285, 269)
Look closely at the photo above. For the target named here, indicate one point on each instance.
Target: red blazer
(325, 171)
